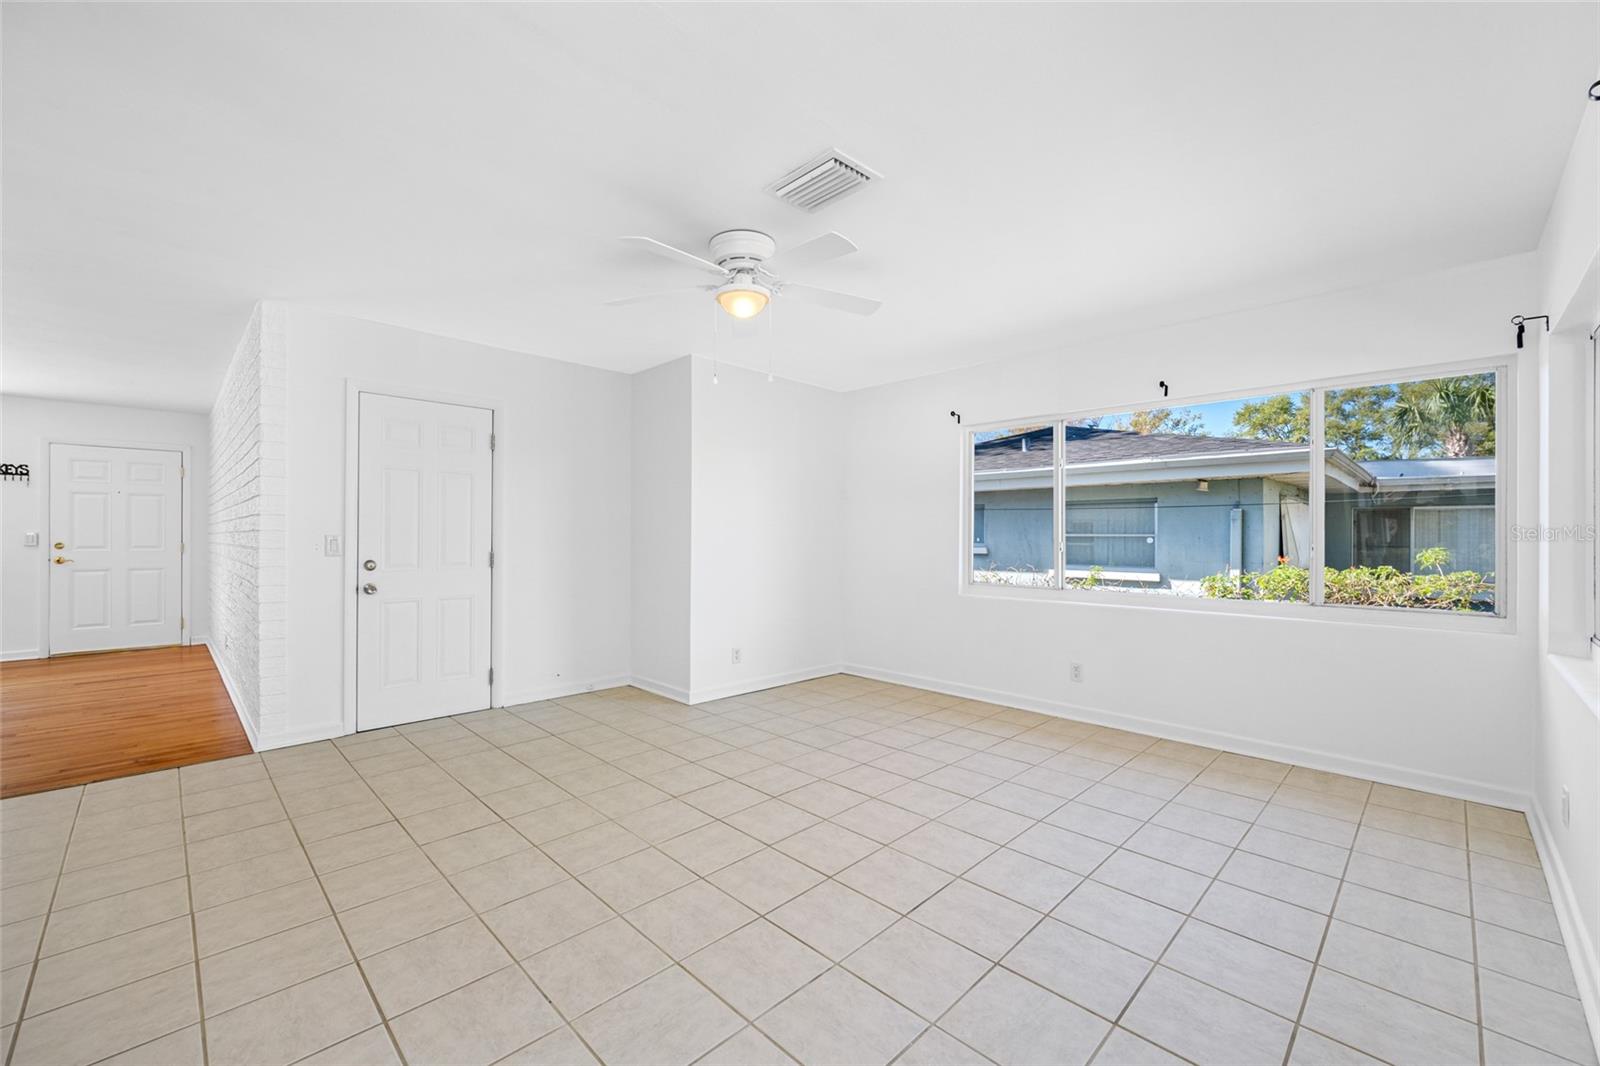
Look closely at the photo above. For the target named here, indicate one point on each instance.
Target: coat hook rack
(1163, 385)
(956, 417)
(1521, 322)
(1594, 92)
(15, 472)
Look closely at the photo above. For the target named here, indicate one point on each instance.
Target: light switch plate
(30, 540)
(331, 546)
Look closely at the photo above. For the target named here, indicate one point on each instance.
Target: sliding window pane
(1210, 500)
(1013, 524)
(1411, 517)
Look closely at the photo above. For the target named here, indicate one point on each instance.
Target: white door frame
(351, 570)
(186, 631)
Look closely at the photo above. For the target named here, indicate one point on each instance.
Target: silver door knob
(370, 564)
(369, 588)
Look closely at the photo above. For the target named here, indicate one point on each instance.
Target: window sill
(979, 549)
(1336, 614)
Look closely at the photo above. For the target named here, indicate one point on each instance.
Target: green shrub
(1367, 586)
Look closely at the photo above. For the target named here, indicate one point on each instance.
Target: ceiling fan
(747, 266)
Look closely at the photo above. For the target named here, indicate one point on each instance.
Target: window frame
(1503, 620)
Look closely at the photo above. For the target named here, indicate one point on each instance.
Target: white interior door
(116, 548)
(422, 560)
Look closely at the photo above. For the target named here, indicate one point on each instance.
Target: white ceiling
(1049, 169)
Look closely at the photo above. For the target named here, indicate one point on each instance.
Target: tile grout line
(44, 929)
(741, 724)
(334, 914)
(476, 916)
(1116, 1023)
(194, 930)
(1327, 928)
(1174, 799)
(1472, 924)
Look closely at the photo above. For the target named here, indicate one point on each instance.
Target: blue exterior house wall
(1194, 530)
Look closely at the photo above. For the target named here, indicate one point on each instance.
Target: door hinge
(182, 548)
(183, 623)
(183, 471)
(491, 675)
(491, 442)
(491, 559)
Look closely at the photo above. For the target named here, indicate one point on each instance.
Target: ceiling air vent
(823, 180)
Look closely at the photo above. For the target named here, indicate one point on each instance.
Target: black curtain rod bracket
(1521, 322)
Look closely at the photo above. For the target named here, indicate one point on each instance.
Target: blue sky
(1217, 418)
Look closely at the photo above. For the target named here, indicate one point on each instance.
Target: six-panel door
(422, 560)
(116, 544)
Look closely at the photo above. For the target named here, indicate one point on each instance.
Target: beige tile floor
(839, 871)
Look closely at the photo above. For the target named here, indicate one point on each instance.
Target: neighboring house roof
(1090, 445)
(1025, 455)
(1478, 466)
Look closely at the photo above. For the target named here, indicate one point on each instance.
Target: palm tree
(1443, 416)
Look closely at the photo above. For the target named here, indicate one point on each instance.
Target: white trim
(660, 688)
(1386, 773)
(566, 688)
(353, 388)
(185, 508)
(233, 697)
(20, 654)
(757, 684)
(723, 691)
(1569, 916)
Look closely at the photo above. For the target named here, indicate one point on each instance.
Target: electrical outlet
(1077, 672)
(738, 656)
(1566, 806)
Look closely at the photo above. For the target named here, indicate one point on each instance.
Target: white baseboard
(702, 695)
(660, 688)
(20, 653)
(1461, 788)
(311, 734)
(1576, 933)
(233, 697)
(756, 684)
(565, 688)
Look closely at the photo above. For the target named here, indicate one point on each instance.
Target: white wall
(246, 519)
(768, 504)
(660, 528)
(25, 425)
(562, 507)
(1567, 729)
(1446, 710)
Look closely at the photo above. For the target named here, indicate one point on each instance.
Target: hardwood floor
(81, 718)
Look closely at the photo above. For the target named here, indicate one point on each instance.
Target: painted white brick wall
(248, 522)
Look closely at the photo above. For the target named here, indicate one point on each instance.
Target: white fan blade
(816, 250)
(650, 244)
(648, 296)
(839, 301)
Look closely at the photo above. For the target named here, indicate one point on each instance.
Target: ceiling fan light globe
(742, 301)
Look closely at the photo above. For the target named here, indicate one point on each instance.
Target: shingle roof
(1085, 444)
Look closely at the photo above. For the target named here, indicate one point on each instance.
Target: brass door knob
(58, 545)
(61, 559)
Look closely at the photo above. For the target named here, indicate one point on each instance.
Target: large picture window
(1365, 495)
